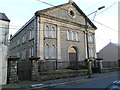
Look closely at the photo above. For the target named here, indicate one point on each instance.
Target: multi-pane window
(76, 36)
(53, 32)
(68, 35)
(72, 35)
(46, 51)
(46, 31)
(53, 51)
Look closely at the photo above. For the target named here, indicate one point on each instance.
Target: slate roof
(4, 17)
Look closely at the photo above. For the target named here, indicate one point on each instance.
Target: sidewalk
(51, 83)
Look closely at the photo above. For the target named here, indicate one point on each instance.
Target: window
(46, 31)
(18, 42)
(90, 38)
(31, 34)
(31, 52)
(68, 35)
(76, 36)
(46, 51)
(72, 35)
(53, 32)
(24, 39)
(91, 52)
(53, 51)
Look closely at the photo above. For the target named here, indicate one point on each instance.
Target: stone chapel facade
(55, 34)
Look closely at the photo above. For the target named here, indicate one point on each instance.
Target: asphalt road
(102, 82)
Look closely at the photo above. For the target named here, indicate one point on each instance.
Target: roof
(4, 17)
(63, 5)
(110, 44)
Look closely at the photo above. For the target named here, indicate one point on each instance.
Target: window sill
(73, 40)
(50, 58)
(49, 38)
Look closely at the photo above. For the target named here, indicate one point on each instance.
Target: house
(110, 55)
(109, 52)
(57, 35)
(4, 34)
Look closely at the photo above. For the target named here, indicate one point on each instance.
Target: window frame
(46, 31)
(46, 51)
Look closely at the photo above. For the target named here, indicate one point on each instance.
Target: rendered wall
(4, 33)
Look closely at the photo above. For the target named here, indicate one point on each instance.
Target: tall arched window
(53, 51)
(68, 35)
(46, 31)
(76, 36)
(46, 51)
(72, 35)
(53, 32)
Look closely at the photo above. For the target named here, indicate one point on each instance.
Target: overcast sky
(20, 11)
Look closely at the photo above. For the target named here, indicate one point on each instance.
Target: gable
(69, 12)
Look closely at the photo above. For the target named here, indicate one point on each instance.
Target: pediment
(69, 12)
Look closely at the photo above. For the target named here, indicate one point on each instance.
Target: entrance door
(72, 56)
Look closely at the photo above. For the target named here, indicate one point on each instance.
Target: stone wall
(12, 70)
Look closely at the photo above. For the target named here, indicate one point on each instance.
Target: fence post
(12, 76)
(34, 68)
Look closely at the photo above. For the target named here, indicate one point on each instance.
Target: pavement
(52, 83)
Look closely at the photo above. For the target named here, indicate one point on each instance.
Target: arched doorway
(72, 52)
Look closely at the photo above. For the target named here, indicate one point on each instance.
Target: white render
(4, 33)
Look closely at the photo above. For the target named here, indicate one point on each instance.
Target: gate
(24, 70)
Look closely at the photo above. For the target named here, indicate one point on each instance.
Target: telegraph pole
(87, 43)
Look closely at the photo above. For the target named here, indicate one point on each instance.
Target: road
(101, 82)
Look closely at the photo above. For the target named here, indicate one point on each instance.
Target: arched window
(53, 32)
(46, 31)
(72, 35)
(46, 51)
(53, 51)
(76, 36)
(68, 35)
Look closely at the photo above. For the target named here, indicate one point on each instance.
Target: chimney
(70, 1)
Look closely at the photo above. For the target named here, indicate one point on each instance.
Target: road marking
(36, 85)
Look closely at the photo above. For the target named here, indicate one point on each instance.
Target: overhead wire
(108, 7)
(106, 26)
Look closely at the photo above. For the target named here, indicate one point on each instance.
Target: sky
(106, 20)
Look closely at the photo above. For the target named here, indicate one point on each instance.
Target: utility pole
(89, 61)
(87, 45)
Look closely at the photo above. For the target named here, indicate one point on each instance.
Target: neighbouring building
(56, 34)
(109, 52)
(4, 34)
(110, 55)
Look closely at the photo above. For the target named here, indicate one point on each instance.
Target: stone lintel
(13, 58)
